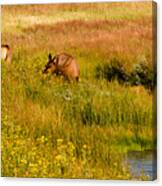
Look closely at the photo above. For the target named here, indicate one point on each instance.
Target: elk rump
(6, 54)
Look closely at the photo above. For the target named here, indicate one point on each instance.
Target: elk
(63, 64)
(6, 53)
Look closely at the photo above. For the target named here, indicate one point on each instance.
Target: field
(53, 128)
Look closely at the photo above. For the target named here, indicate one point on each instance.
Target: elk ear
(54, 59)
(50, 56)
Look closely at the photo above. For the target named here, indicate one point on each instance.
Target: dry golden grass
(103, 29)
(127, 39)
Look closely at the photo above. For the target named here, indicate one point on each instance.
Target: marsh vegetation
(52, 128)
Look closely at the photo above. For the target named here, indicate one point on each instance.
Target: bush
(141, 74)
(111, 71)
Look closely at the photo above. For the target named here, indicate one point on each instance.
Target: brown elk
(6, 53)
(63, 64)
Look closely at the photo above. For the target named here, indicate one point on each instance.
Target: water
(142, 162)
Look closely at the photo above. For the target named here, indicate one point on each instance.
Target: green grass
(52, 128)
(101, 115)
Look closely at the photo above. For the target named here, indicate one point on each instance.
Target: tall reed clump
(115, 111)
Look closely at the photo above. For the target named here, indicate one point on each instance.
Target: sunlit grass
(17, 17)
(52, 128)
(40, 110)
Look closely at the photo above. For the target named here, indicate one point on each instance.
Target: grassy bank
(52, 128)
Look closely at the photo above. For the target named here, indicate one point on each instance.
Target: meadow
(53, 128)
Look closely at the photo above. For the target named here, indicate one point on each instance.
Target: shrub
(111, 71)
(142, 74)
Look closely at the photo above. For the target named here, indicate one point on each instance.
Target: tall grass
(106, 118)
(52, 128)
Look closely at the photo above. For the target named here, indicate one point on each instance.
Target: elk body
(6, 53)
(63, 64)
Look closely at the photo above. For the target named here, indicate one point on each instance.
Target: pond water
(142, 161)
